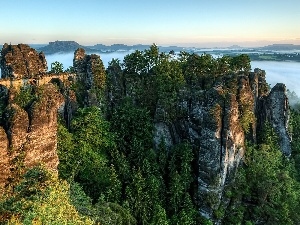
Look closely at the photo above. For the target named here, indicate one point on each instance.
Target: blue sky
(201, 23)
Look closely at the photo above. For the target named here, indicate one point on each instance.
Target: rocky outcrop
(28, 127)
(90, 73)
(217, 123)
(42, 136)
(3, 101)
(4, 158)
(29, 137)
(21, 61)
(274, 109)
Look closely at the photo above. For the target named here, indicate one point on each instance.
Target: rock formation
(28, 132)
(4, 158)
(21, 61)
(29, 137)
(274, 109)
(217, 121)
(90, 72)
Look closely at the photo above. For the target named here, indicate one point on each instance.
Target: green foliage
(295, 133)
(103, 212)
(266, 186)
(115, 175)
(40, 198)
(241, 63)
(247, 117)
(134, 131)
(83, 152)
(99, 73)
(56, 67)
(113, 213)
(25, 96)
(70, 69)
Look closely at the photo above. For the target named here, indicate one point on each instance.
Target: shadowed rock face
(90, 72)
(274, 109)
(280, 116)
(215, 125)
(21, 61)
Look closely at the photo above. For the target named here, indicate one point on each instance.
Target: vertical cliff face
(90, 73)
(29, 137)
(21, 61)
(218, 122)
(28, 121)
(274, 109)
(42, 136)
(4, 157)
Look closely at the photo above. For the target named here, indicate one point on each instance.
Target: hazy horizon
(189, 23)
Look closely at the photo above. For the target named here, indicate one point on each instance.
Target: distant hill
(62, 47)
(280, 47)
(71, 46)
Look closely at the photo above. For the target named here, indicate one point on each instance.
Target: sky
(198, 23)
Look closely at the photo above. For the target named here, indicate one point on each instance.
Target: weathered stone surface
(42, 137)
(29, 137)
(274, 109)
(70, 107)
(4, 158)
(17, 124)
(21, 61)
(90, 72)
(3, 101)
(216, 123)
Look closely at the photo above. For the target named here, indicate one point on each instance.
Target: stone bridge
(66, 78)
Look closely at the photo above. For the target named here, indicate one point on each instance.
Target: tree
(268, 191)
(241, 63)
(57, 67)
(84, 152)
(40, 198)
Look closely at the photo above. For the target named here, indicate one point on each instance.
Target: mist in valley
(281, 72)
(67, 59)
(276, 72)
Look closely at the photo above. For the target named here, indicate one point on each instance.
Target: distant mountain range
(281, 47)
(71, 46)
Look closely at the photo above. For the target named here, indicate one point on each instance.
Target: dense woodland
(110, 172)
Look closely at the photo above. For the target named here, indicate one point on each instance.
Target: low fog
(281, 72)
(67, 59)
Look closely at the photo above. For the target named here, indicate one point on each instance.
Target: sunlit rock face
(41, 141)
(21, 61)
(4, 158)
(29, 137)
